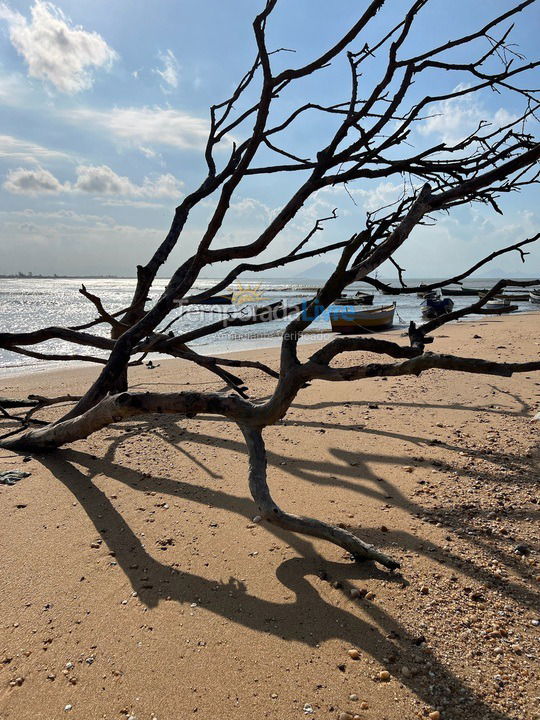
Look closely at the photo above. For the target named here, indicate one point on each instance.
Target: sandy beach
(135, 583)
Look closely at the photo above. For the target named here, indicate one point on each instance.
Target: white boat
(534, 297)
(497, 303)
(350, 321)
(502, 306)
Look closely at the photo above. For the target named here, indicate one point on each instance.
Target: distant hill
(318, 272)
(494, 272)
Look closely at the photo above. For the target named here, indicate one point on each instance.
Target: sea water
(28, 304)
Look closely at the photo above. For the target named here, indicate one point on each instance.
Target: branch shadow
(351, 471)
(309, 619)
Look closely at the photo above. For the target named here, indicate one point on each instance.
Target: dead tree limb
(272, 513)
(369, 138)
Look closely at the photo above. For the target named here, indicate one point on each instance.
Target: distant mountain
(494, 272)
(321, 271)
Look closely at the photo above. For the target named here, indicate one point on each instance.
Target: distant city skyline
(105, 114)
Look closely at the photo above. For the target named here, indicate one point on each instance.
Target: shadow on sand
(309, 618)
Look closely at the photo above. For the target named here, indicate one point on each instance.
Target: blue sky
(104, 110)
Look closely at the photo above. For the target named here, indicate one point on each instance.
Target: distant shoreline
(296, 278)
(69, 277)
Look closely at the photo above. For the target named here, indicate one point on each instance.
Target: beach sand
(135, 584)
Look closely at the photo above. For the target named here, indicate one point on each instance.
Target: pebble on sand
(354, 654)
(384, 676)
(435, 715)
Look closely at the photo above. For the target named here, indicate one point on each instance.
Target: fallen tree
(370, 140)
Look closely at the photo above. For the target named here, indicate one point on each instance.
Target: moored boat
(434, 306)
(364, 298)
(360, 298)
(501, 306)
(511, 297)
(349, 320)
(224, 299)
(457, 292)
(534, 297)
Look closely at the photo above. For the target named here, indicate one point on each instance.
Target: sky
(104, 116)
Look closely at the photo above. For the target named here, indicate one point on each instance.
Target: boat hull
(512, 297)
(356, 322)
(498, 309)
(458, 292)
(433, 308)
(355, 300)
(364, 299)
(217, 300)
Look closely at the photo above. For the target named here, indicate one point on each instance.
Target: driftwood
(369, 141)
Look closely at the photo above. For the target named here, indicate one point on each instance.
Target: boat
(515, 297)
(364, 298)
(349, 320)
(360, 298)
(225, 299)
(502, 306)
(534, 297)
(456, 292)
(494, 303)
(434, 306)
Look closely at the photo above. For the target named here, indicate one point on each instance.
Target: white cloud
(115, 201)
(379, 196)
(64, 215)
(54, 50)
(454, 119)
(33, 182)
(148, 126)
(13, 148)
(101, 180)
(170, 71)
(98, 180)
(351, 200)
(253, 208)
(148, 152)
(76, 247)
(14, 89)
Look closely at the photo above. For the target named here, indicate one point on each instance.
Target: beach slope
(135, 582)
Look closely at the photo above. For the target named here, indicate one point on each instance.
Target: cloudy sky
(104, 109)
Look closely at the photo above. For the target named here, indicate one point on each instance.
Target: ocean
(31, 303)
